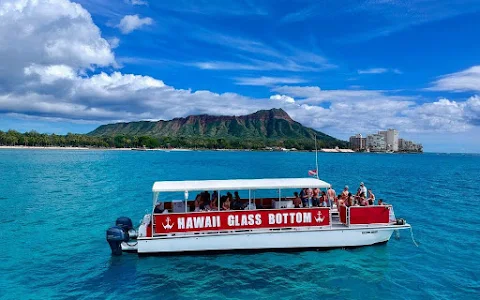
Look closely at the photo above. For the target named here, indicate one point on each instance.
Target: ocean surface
(56, 205)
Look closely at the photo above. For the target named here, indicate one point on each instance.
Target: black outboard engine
(115, 237)
(120, 233)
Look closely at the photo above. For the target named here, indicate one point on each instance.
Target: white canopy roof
(238, 184)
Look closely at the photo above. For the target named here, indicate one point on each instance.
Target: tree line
(33, 138)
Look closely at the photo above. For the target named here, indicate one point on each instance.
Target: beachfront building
(357, 142)
(409, 146)
(376, 142)
(391, 139)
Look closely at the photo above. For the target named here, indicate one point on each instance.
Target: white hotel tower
(391, 139)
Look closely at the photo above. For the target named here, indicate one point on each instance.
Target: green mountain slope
(272, 127)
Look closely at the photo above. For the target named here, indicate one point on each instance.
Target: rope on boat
(413, 239)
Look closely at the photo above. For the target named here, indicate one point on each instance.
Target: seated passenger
(158, 208)
(380, 202)
(198, 202)
(226, 204)
(371, 197)
(297, 201)
(205, 203)
(324, 200)
(237, 202)
(214, 202)
(362, 200)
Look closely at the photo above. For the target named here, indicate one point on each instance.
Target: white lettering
(278, 218)
(231, 220)
(271, 219)
(198, 222)
(298, 217)
(251, 220)
(189, 223)
(244, 220)
(292, 218)
(285, 218)
(218, 221)
(208, 221)
(258, 219)
(307, 217)
(181, 223)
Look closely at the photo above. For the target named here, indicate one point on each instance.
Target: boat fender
(115, 237)
(400, 222)
(146, 219)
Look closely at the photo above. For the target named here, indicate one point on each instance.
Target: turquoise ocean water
(56, 206)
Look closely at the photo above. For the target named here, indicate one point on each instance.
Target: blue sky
(342, 67)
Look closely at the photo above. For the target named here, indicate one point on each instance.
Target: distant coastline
(21, 147)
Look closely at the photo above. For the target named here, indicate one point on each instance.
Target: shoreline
(178, 149)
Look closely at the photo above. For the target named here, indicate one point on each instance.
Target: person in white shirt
(363, 188)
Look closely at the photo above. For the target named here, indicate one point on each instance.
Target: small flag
(312, 172)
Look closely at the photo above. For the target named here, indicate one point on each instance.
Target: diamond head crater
(263, 129)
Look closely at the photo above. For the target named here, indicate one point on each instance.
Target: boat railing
(365, 215)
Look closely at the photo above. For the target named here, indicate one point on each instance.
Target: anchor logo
(168, 226)
(320, 218)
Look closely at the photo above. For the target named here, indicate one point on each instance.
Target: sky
(341, 67)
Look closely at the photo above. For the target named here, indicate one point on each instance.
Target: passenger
(345, 192)
(380, 202)
(340, 200)
(214, 202)
(362, 200)
(363, 188)
(331, 195)
(323, 200)
(297, 201)
(237, 202)
(205, 201)
(315, 197)
(197, 202)
(351, 200)
(310, 196)
(226, 204)
(371, 197)
(304, 197)
(158, 208)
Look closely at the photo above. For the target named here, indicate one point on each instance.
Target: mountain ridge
(273, 123)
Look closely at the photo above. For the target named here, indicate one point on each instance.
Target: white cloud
(379, 71)
(44, 33)
(282, 98)
(267, 81)
(136, 2)
(49, 74)
(130, 23)
(466, 80)
(114, 42)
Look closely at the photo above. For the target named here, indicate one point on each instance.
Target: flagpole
(316, 154)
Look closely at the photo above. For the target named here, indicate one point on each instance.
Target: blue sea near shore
(57, 204)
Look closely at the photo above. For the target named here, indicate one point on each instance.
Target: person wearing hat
(363, 188)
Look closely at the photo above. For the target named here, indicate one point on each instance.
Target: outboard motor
(115, 237)
(121, 232)
(127, 226)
